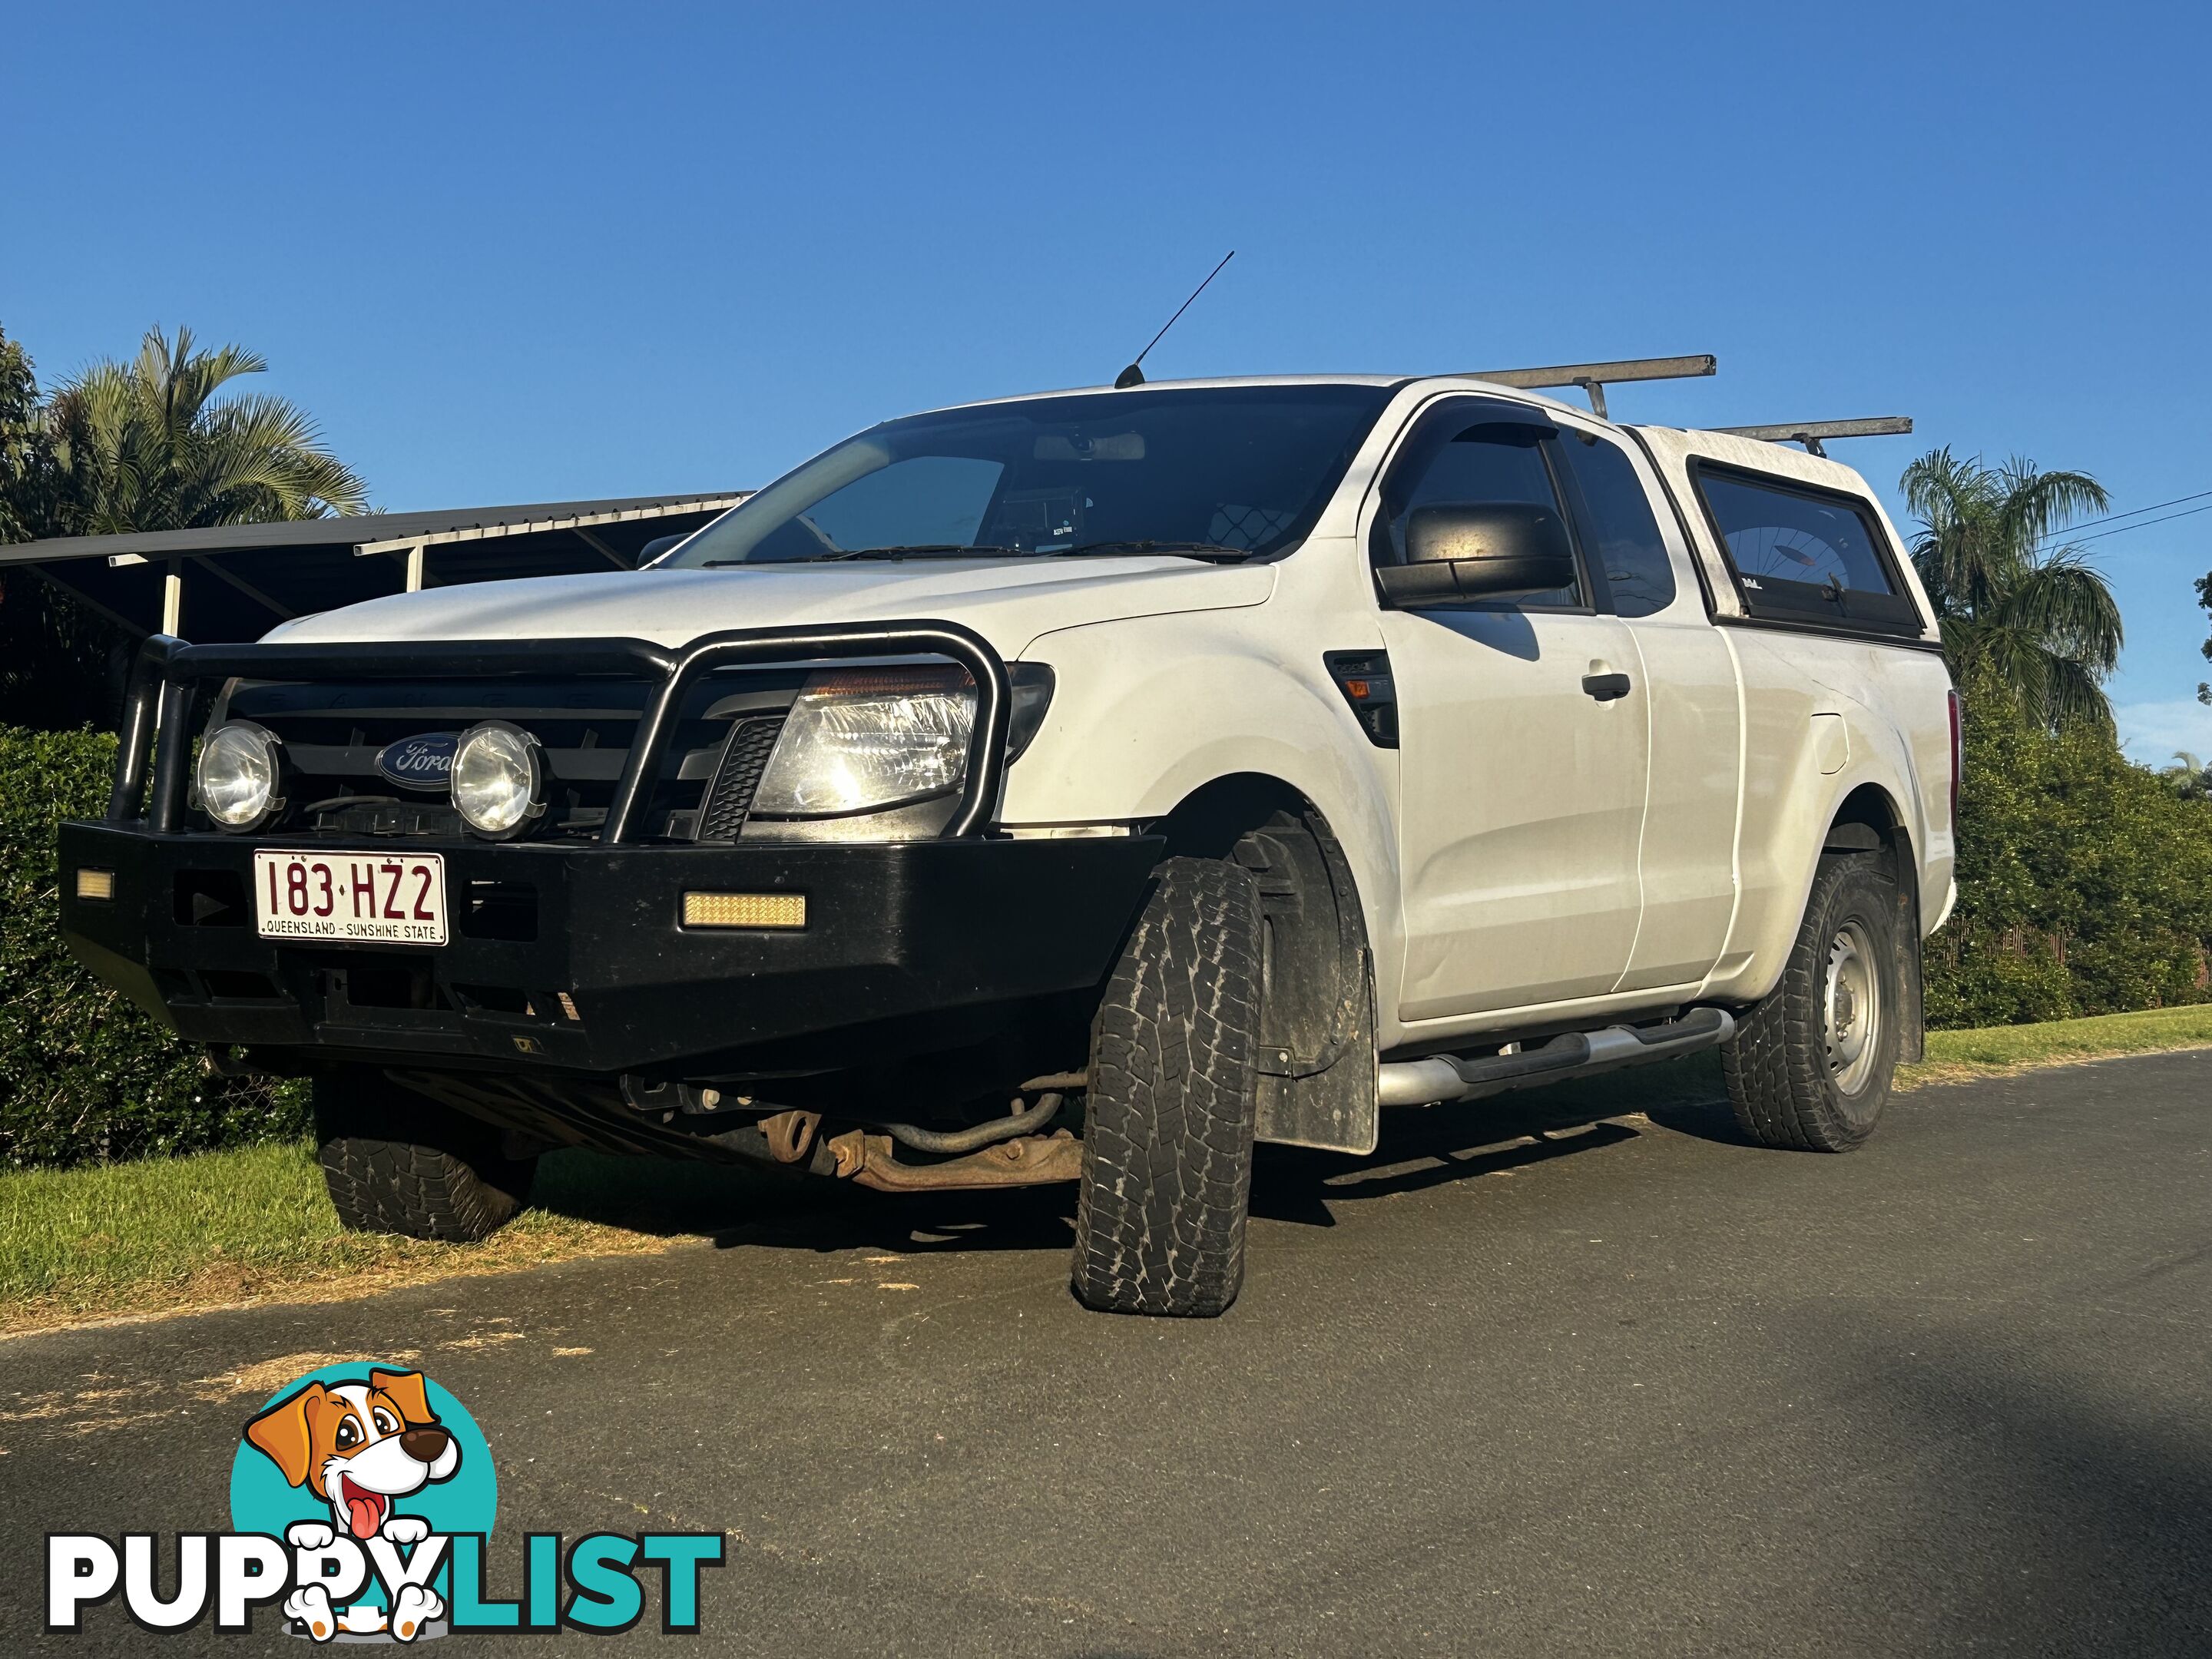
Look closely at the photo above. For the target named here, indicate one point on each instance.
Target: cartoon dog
(358, 1446)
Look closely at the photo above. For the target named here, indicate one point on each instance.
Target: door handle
(1605, 687)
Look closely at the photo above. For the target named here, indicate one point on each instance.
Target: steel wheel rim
(1851, 1008)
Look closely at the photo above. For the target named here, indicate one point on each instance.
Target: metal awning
(235, 583)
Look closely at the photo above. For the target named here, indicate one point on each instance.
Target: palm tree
(2186, 777)
(2033, 623)
(150, 447)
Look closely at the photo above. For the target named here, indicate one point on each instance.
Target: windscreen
(1226, 472)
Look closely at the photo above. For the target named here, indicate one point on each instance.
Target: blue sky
(547, 251)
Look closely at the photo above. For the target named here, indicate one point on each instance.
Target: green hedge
(2085, 883)
(83, 1074)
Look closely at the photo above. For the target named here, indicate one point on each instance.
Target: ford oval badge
(423, 762)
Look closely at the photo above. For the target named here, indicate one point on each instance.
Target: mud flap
(1913, 1024)
(1316, 1054)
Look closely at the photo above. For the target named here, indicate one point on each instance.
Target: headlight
(498, 780)
(240, 767)
(864, 739)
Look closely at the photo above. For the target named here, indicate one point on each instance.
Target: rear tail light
(1958, 760)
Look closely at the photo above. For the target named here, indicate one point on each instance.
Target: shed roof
(236, 581)
(353, 531)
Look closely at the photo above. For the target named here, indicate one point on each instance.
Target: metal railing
(167, 678)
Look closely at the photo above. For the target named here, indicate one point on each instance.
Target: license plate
(398, 899)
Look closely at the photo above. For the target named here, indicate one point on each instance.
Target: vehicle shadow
(1419, 1148)
(734, 1206)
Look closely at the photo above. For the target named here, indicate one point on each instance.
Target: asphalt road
(1621, 1386)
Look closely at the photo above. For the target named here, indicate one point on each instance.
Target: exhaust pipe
(1443, 1078)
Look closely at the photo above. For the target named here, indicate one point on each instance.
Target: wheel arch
(1317, 1058)
(1870, 819)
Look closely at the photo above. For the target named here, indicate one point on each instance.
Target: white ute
(1082, 786)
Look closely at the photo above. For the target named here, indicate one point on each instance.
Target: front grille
(371, 818)
(332, 733)
(744, 757)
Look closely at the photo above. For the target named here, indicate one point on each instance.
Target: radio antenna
(1135, 374)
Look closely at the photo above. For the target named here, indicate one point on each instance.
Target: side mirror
(1458, 552)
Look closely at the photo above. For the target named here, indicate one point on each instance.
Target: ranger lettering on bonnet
(360, 1445)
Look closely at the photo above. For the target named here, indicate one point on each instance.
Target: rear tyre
(1809, 1069)
(398, 1162)
(1168, 1117)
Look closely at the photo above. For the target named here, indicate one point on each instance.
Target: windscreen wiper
(922, 550)
(1212, 551)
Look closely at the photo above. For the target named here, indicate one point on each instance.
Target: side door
(1689, 677)
(1523, 766)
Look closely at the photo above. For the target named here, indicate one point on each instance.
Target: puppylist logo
(361, 1501)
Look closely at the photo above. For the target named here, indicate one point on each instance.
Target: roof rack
(1593, 378)
(1810, 433)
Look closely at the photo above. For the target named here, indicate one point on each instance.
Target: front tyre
(398, 1162)
(1169, 1115)
(1810, 1067)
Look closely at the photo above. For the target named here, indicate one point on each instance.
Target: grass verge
(218, 1229)
(214, 1229)
(1956, 1056)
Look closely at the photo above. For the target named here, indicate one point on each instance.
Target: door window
(1620, 533)
(1468, 457)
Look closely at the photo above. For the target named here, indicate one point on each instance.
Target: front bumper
(607, 981)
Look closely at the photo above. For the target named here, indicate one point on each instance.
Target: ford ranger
(1078, 788)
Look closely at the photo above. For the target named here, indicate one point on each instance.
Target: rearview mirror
(1491, 551)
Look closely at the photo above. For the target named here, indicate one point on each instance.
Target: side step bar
(1579, 1054)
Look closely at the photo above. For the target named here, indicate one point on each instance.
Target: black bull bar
(906, 943)
(169, 674)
